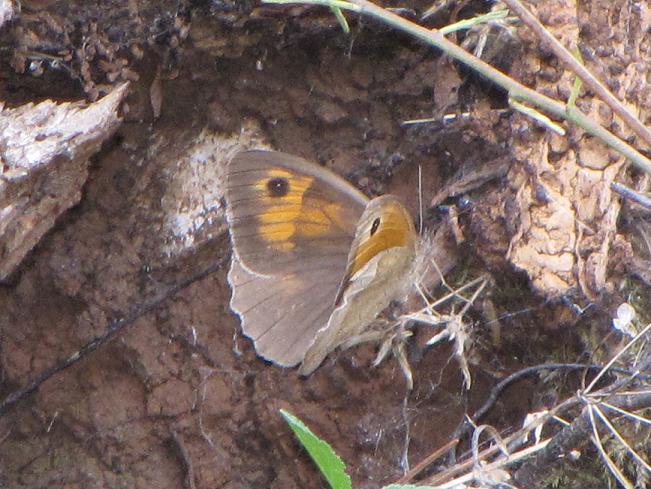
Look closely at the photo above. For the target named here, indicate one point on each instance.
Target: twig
(525, 372)
(112, 330)
(639, 419)
(470, 302)
(537, 116)
(616, 357)
(446, 476)
(498, 464)
(531, 473)
(573, 64)
(451, 295)
(427, 461)
(185, 459)
(550, 452)
(596, 441)
(404, 459)
(515, 90)
(573, 434)
(631, 194)
(620, 438)
(464, 428)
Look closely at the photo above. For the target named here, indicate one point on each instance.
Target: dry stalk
(515, 90)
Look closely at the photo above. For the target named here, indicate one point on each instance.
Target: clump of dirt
(179, 398)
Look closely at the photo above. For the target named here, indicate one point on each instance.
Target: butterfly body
(314, 261)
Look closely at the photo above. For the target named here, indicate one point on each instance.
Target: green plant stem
(469, 23)
(341, 18)
(579, 69)
(515, 90)
(534, 114)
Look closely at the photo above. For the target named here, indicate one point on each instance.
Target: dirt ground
(179, 398)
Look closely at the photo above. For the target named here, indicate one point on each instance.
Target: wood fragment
(44, 164)
(6, 11)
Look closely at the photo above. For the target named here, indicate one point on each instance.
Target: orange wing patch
(395, 230)
(392, 227)
(289, 212)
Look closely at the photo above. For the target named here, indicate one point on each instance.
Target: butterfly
(314, 260)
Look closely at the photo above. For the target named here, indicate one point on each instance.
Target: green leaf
(329, 463)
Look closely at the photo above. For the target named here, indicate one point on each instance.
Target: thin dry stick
(446, 475)
(502, 462)
(111, 331)
(515, 90)
(581, 71)
(633, 416)
(185, 458)
(596, 440)
(606, 421)
(603, 371)
(532, 471)
(525, 372)
(631, 194)
(427, 461)
(461, 467)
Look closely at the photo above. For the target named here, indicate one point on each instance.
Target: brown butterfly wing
(292, 224)
(281, 314)
(379, 268)
(284, 211)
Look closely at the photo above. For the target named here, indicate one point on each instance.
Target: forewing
(292, 224)
(285, 213)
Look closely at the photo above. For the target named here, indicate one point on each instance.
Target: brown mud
(179, 399)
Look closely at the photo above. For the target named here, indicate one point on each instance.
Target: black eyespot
(278, 187)
(375, 225)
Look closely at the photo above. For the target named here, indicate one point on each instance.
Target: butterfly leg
(375, 333)
(394, 341)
